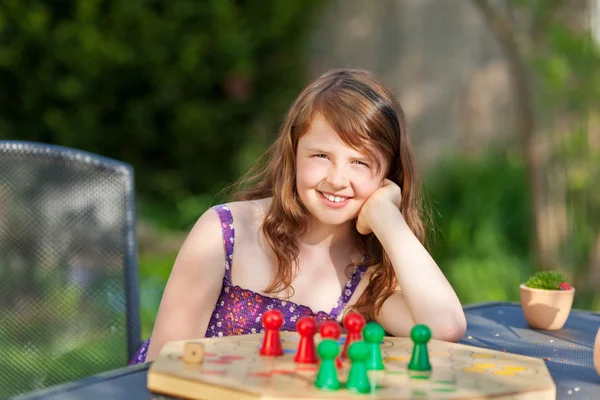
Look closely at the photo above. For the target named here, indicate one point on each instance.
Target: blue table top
(568, 354)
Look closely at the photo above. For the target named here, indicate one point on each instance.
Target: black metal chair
(69, 304)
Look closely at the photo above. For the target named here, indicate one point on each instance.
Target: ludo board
(231, 368)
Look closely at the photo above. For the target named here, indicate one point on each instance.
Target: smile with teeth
(335, 199)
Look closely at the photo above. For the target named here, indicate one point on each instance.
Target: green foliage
(491, 278)
(176, 88)
(568, 65)
(482, 227)
(548, 280)
(565, 60)
(481, 202)
(482, 220)
(154, 273)
(186, 91)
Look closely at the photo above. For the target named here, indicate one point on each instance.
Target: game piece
(332, 330)
(373, 334)
(232, 369)
(327, 378)
(272, 321)
(307, 328)
(354, 324)
(193, 353)
(358, 379)
(420, 334)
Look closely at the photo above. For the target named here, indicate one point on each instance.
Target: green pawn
(420, 334)
(358, 380)
(373, 334)
(327, 378)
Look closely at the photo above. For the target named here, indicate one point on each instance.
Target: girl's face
(332, 179)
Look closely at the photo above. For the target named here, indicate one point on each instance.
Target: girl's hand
(389, 192)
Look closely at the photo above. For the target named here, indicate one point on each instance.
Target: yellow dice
(193, 353)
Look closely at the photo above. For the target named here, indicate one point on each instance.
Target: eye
(362, 163)
(320, 156)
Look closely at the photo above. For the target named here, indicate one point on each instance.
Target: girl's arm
(193, 286)
(426, 296)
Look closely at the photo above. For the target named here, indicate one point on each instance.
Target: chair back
(69, 303)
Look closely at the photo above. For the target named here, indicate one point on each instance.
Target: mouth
(333, 200)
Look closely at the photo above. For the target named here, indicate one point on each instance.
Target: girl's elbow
(452, 331)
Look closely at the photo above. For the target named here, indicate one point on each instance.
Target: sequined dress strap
(228, 231)
(348, 291)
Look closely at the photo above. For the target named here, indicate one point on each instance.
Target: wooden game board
(233, 369)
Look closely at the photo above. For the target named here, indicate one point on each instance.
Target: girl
(331, 222)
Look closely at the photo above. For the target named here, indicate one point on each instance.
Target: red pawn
(272, 321)
(354, 324)
(332, 330)
(307, 327)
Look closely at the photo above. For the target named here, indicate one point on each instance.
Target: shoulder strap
(348, 290)
(226, 219)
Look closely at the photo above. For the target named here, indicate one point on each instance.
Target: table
(568, 354)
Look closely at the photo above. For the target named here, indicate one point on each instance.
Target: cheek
(365, 185)
(307, 173)
(366, 190)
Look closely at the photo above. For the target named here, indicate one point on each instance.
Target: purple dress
(239, 311)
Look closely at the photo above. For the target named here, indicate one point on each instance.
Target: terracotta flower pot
(546, 309)
(597, 352)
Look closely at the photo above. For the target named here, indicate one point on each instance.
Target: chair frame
(132, 307)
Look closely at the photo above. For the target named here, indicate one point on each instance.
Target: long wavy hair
(367, 117)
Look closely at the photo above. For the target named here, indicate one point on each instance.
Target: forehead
(320, 132)
(321, 136)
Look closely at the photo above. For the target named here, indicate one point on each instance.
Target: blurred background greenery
(190, 92)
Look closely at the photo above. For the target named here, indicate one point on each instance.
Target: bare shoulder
(248, 215)
(205, 236)
(200, 257)
(193, 286)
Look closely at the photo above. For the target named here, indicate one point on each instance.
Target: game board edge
(190, 389)
(209, 392)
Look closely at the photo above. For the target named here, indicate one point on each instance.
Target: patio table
(568, 354)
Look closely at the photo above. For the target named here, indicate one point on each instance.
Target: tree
(183, 90)
(556, 87)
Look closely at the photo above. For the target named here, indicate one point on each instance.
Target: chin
(332, 221)
(332, 217)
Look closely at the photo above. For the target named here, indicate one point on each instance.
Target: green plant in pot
(546, 299)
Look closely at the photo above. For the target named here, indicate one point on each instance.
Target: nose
(337, 177)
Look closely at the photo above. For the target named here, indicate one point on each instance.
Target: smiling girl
(328, 220)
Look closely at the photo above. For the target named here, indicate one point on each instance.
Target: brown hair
(367, 117)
